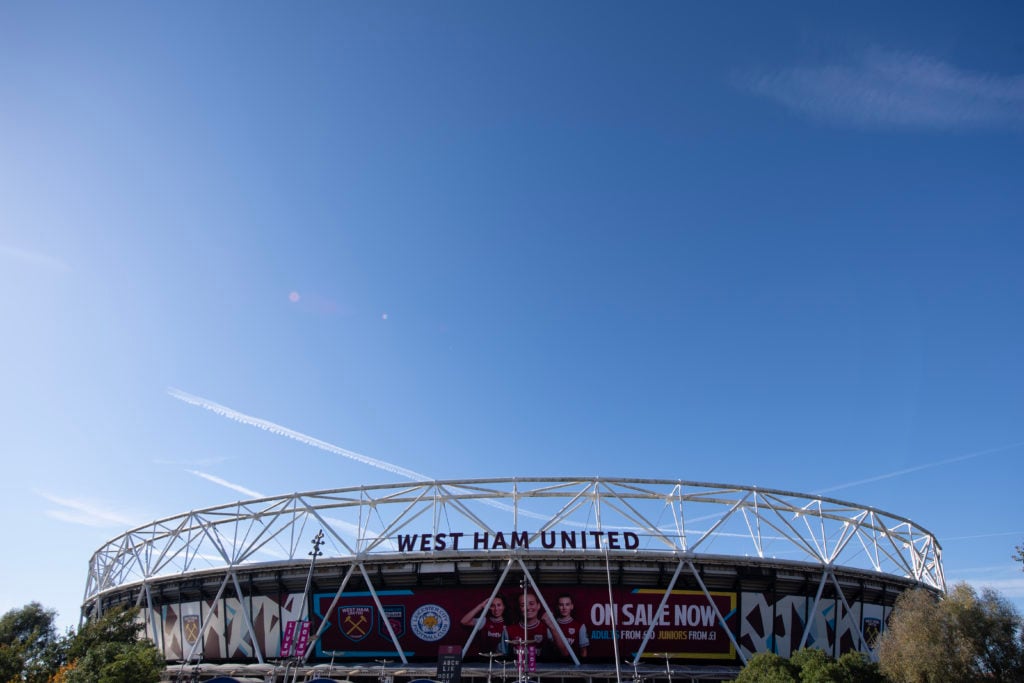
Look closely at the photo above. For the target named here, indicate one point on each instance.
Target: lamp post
(490, 662)
(525, 647)
(637, 678)
(668, 665)
(317, 541)
(381, 677)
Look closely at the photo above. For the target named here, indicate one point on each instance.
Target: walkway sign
(449, 663)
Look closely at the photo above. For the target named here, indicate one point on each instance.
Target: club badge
(355, 621)
(430, 623)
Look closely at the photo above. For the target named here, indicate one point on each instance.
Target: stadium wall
(702, 574)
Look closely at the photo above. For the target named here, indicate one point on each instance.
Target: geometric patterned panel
(214, 642)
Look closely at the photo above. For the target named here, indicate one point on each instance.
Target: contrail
(83, 512)
(33, 258)
(918, 468)
(227, 484)
(275, 428)
(946, 539)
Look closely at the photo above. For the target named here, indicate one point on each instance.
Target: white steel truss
(680, 523)
(668, 518)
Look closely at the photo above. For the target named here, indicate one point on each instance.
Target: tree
(960, 637)
(768, 667)
(30, 648)
(109, 662)
(856, 667)
(813, 665)
(110, 649)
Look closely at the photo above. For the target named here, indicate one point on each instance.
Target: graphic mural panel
(191, 630)
(214, 642)
(426, 619)
(239, 641)
(266, 621)
(172, 631)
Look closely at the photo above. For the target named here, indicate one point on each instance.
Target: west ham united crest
(430, 623)
(355, 621)
(190, 625)
(872, 627)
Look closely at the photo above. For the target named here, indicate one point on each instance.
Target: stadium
(539, 578)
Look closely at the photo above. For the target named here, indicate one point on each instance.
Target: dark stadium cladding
(499, 540)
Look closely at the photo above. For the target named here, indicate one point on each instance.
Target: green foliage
(811, 665)
(106, 650)
(31, 626)
(856, 667)
(115, 626)
(110, 649)
(12, 662)
(30, 648)
(111, 662)
(961, 637)
(767, 667)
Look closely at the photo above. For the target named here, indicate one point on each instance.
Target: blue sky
(766, 244)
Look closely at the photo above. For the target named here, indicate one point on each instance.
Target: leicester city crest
(355, 621)
(430, 622)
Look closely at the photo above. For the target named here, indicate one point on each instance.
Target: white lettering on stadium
(500, 540)
(642, 614)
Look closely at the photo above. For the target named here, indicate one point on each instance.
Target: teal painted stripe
(366, 653)
(364, 594)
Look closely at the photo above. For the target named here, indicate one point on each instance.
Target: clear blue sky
(760, 243)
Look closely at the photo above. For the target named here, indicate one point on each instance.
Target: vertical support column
(483, 613)
(718, 613)
(209, 622)
(330, 610)
(158, 638)
(248, 616)
(547, 610)
(813, 613)
(380, 607)
(661, 605)
(849, 613)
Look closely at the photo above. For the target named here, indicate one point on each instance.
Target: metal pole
(317, 541)
(490, 662)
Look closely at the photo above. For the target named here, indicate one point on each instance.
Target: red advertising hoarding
(426, 619)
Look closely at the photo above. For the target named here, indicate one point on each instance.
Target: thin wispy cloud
(885, 89)
(204, 462)
(947, 539)
(33, 258)
(280, 430)
(85, 513)
(227, 484)
(924, 466)
(1004, 577)
(1011, 588)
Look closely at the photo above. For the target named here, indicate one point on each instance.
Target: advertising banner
(581, 619)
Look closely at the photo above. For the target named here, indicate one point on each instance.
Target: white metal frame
(673, 520)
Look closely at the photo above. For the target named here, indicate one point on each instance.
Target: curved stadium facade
(676, 578)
